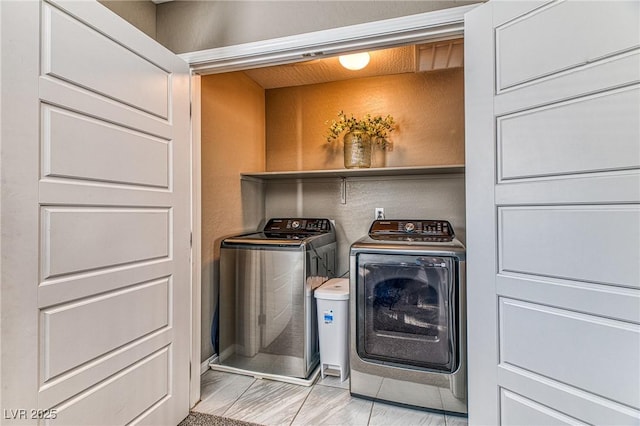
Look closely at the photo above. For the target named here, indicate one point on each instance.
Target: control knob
(409, 227)
(295, 224)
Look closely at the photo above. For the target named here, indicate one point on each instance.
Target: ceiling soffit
(405, 59)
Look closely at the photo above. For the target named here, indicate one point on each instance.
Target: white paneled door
(553, 212)
(95, 220)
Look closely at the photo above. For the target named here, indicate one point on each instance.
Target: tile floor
(328, 402)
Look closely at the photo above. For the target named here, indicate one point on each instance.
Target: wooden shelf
(347, 173)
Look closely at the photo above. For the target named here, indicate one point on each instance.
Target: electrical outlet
(379, 213)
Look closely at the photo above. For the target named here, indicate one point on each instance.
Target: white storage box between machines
(333, 326)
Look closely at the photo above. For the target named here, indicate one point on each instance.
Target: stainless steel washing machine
(407, 320)
(268, 321)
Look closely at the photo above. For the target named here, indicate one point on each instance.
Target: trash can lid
(334, 289)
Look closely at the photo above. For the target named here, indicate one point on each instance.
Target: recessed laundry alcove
(269, 125)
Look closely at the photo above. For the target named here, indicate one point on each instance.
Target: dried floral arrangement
(377, 127)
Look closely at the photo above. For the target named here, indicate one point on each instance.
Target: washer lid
(334, 289)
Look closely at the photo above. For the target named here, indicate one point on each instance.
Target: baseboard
(294, 380)
(204, 366)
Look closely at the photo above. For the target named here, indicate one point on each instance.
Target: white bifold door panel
(95, 220)
(553, 212)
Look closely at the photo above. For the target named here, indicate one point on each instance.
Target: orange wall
(233, 141)
(232, 138)
(428, 108)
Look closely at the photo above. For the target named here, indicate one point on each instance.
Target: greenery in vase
(377, 127)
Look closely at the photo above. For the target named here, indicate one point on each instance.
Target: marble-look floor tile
(220, 390)
(334, 382)
(327, 405)
(456, 420)
(387, 415)
(269, 403)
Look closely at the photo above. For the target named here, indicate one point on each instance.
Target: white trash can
(332, 300)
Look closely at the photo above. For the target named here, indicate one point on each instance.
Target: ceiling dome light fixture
(354, 62)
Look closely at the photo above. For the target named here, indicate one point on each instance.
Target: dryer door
(406, 311)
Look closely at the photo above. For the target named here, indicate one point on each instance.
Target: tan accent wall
(233, 123)
(428, 108)
(139, 13)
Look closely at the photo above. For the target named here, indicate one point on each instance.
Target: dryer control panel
(412, 230)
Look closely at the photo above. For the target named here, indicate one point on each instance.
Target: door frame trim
(437, 25)
(430, 26)
(196, 243)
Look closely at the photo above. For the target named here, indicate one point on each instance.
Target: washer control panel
(412, 230)
(298, 225)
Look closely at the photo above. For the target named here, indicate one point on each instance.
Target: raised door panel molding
(68, 191)
(589, 188)
(556, 140)
(57, 92)
(518, 410)
(560, 397)
(603, 300)
(78, 54)
(565, 345)
(78, 239)
(78, 332)
(82, 148)
(150, 376)
(64, 289)
(534, 50)
(605, 74)
(597, 244)
(55, 392)
(513, 9)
